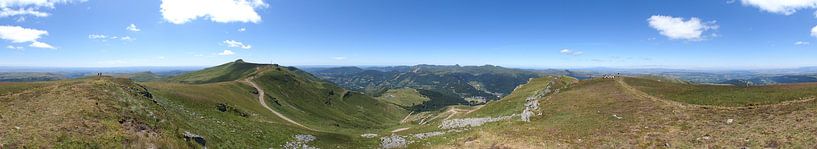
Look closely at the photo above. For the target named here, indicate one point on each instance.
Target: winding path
(264, 103)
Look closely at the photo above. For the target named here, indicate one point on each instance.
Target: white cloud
(236, 44)
(814, 31)
(34, 3)
(95, 36)
(17, 34)
(132, 28)
(7, 12)
(730, 1)
(226, 52)
(678, 28)
(242, 29)
(38, 44)
(785, 7)
(10, 8)
(104, 38)
(570, 52)
(14, 47)
(801, 43)
(222, 11)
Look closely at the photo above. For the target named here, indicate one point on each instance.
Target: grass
(513, 103)
(320, 104)
(197, 108)
(340, 115)
(404, 97)
(83, 113)
(581, 116)
(89, 113)
(104, 112)
(15, 87)
(720, 95)
(225, 72)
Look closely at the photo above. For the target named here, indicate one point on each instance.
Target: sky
(512, 33)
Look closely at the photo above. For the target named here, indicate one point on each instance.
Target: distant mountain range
(444, 85)
(140, 74)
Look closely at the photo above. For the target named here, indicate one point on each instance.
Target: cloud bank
(785, 7)
(222, 11)
(17, 34)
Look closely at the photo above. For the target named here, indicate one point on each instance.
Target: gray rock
(470, 122)
(197, 138)
(301, 142)
(428, 134)
(393, 141)
(532, 102)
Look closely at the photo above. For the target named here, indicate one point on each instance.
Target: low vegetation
(219, 108)
(404, 97)
(722, 95)
(601, 113)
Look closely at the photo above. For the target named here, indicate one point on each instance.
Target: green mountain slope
(300, 97)
(99, 112)
(723, 95)
(615, 113)
(225, 72)
(314, 102)
(107, 112)
(404, 97)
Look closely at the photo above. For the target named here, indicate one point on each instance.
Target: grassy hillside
(323, 105)
(602, 113)
(15, 87)
(99, 112)
(720, 95)
(107, 112)
(297, 95)
(225, 72)
(513, 103)
(243, 123)
(404, 97)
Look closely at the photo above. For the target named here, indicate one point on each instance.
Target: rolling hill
(633, 113)
(226, 72)
(772, 80)
(218, 106)
(247, 105)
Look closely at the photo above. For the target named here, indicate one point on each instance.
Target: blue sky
(513, 33)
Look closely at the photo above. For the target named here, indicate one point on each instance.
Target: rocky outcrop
(301, 142)
(194, 137)
(532, 102)
(393, 141)
(471, 122)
